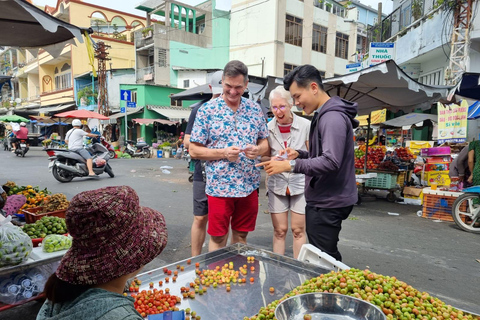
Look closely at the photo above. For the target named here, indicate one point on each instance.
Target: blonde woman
(286, 190)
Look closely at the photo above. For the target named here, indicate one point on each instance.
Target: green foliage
(88, 94)
(165, 144)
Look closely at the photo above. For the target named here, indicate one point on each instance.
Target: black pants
(323, 226)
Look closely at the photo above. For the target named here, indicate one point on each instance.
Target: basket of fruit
(43, 227)
(56, 205)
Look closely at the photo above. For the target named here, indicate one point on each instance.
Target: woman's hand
(470, 179)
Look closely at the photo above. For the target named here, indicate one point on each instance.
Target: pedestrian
(200, 201)
(179, 146)
(361, 141)
(74, 140)
(286, 190)
(330, 186)
(230, 132)
(474, 163)
(113, 239)
(459, 166)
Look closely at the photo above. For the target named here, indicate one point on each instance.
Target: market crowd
(310, 167)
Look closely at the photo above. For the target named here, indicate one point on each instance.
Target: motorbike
(66, 165)
(21, 148)
(111, 150)
(139, 149)
(466, 210)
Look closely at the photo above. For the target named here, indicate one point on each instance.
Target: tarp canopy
(384, 85)
(13, 118)
(171, 112)
(410, 119)
(151, 121)
(25, 25)
(203, 92)
(474, 111)
(469, 86)
(81, 114)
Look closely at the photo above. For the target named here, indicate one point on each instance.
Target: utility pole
(101, 54)
(460, 42)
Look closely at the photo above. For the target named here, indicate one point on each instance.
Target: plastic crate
(383, 181)
(438, 207)
(31, 214)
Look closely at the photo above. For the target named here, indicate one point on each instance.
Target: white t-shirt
(75, 138)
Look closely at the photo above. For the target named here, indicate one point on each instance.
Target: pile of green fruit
(56, 242)
(359, 153)
(395, 298)
(45, 226)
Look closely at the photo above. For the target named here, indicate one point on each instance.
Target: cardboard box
(413, 195)
(441, 166)
(440, 177)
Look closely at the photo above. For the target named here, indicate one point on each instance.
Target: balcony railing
(57, 89)
(146, 74)
(402, 18)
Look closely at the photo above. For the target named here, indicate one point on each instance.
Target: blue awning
(474, 111)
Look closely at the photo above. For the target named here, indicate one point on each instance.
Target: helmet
(23, 124)
(76, 123)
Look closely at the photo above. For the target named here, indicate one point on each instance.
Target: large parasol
(81, 114)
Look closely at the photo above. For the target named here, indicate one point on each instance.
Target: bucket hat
(112, 236)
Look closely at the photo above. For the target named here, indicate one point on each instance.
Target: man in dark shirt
(328, 165)
(200, 201)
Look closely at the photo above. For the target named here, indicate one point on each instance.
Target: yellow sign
(452, 122)
(376, 117)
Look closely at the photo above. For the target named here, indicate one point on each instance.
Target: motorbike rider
(74, 139)
(20, 134)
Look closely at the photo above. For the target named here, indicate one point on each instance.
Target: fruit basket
(31, 214)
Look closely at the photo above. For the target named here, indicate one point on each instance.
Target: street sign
(125, 95)
(131, 104)
(122, 109)
(380, 52)
(353, 67)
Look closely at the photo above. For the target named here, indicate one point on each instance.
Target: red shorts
(240, 212)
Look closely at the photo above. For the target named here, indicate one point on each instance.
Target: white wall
(196, 78)
(114, 87)
(252, 35)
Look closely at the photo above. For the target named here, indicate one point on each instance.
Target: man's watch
(292, 165)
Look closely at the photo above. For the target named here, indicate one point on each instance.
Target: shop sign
(452, 122)
(354, 67)
(380, 52)
(378, 116)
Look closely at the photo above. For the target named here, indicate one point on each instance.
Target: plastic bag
(56, 242)
(26, 284)
(15, 245)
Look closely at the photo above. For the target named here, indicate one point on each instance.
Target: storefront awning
(171, 113)
(410, 119)
(474, 111)
(151, 121)
(56, 108)
(130, 111)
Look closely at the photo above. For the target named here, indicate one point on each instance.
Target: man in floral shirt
(230, 132)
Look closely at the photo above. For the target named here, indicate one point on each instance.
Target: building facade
(273, 37)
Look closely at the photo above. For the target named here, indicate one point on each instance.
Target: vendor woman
(113, 238)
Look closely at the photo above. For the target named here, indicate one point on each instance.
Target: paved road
(436, 257)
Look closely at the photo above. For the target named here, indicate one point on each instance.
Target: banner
(452, 122)
(379, 116)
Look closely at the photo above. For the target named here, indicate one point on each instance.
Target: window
(293, 30)
(63, 79)
(432, 79)
(358, 14)
(341, 45)
(319, 38)
(162, 58)
(134, 96)
(287, 68)
(375, 20)
(186, 83)
(175, 103)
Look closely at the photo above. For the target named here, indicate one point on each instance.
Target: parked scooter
(66, 165)
(21, 148)
(111, 150)
(140, 149)
(466, 210)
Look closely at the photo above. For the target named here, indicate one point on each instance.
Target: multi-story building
(273, 37)
(365, 17)
(65, 81)
(181, 50)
